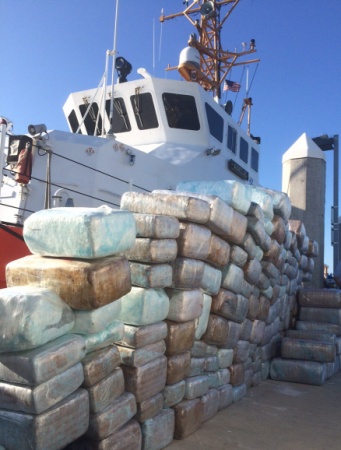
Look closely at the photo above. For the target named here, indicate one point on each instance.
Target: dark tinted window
(144, 111)
(73, 122)
(181, 111)
(254, 159)
(244, 150)
(215, 122)
(91, 118)
(232, 139)
(120, 121)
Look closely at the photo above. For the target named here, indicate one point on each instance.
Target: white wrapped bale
(144, 306)
(232, 278)
(296, 371)
(250, 248)
(152, 250)
(137, 357)
(182, 207)
(264, 200)
(184, 305)
(158, 432)
(308, 350)
(93, 321)
(194, 241)
(174, 393)
(218, 378)
(234, 193)
(81, 284)
(137, 337)
(187, 273)
(41, 316)
(26, 431)
(252, 271)
(225, 357)
(103, 393)
(211, 280)
(238, 256)
(241, 352)
(202, 321)
(225, 396)
(156, 227)
(36, 366)
(229, 305)
(256, 228)
(37, 399)
(212, 363)
(109, 335)
(110, 419)
(99, 364)
(147, 380)
(151, 276)
(239, 392)
(281, 203)
(85, 233)
(149, 408)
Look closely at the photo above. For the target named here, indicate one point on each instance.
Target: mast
(215, 63)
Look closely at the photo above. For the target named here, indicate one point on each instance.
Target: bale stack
(76, 255)
(311, 353)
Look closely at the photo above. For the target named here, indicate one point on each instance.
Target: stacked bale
(90, 282)
(311, 353)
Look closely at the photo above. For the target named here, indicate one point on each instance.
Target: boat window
(91, 118)
(73, 122)
(254, 159)
(232, 139)
(244, 150)
(181, 111)
(120, 122)
(215, 122)
(144, 110)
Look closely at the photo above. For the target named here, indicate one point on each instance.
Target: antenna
(113, 54)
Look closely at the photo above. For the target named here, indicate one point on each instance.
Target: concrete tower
(304, 180)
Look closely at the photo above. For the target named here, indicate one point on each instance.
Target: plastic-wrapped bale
(225, 357)
(178, 367)
(234, 193)
(187, 273)
(140, 336)
(107, 336)
(281, 203)
(156, 226)
(184, 305)
(95, 320)
(296, 371)
(237, 373)
(151, 276)
(313, 248)
(319, 298)
(107, 421)
(36, 366)
(84, 233)
(326, 315)
(232, 278)
(280, 229)
(219, 252)
(147, 380)
(264, 200)
(173, 393)
(230, 306)
(256, 228)
(311, 335)
(252, 270)
(182, 207)
(196, 386)
(238, 256)
(202, 321)
(194, 241)
(221, 332)
(41, 316)
(81, 284)
(128, 436)
(218, 378)
(99, 364)
(144, 306)
(140, 356)
(188, 417)
(302, 349)
(106, 390)
(39, 398)
(180, 337)
(158, 432)
(225, 396)
(241, 352)
(26, 431)
(152, 250)
(239, 392)
(211, 280)
(149, 408)
(210, 402)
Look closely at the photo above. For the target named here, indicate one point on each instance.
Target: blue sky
(51, 48)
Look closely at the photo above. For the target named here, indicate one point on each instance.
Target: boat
(143, 134)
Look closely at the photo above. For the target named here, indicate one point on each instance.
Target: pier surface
(275, 416)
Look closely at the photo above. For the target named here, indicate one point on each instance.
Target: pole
(336, 227)
(113, 73)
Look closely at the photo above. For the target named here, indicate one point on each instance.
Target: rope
(254, 74)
